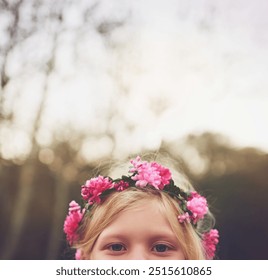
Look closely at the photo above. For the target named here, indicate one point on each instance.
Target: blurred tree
(27, 171)
(23, 58)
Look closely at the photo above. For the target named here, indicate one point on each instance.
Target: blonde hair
(101, 215)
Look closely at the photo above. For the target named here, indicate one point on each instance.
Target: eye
(160, 248)
(117, 247)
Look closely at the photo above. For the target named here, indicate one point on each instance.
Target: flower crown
(142, 174)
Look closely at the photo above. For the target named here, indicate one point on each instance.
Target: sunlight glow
(162, 74)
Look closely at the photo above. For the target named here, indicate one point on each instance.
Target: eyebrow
(153, 236)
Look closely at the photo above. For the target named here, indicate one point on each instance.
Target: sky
(173, 68)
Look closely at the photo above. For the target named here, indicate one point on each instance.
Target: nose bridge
(138, 252)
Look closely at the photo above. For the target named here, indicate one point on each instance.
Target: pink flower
(150, 173)
(197, 204)
(72, 221)
(94, 187)
(121, 185)
(210, 240)
(184, 218)
(78, 254)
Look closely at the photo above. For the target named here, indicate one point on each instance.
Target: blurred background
(85, 83)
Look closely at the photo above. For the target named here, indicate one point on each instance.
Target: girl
(141, 216)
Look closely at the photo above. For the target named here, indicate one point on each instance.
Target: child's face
(140, 234)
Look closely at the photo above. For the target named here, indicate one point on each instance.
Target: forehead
(146, 218)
